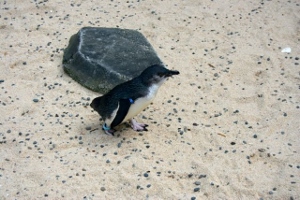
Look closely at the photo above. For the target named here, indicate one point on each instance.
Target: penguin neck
(153, 88)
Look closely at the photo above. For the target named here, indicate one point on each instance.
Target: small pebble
(197, 183)
(35, 100)
(196, 189)
(202, 176)
(102, 189)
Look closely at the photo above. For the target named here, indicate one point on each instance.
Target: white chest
(141, 103)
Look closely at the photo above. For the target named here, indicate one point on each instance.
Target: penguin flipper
(124, 105)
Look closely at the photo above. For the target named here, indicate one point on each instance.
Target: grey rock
(101, 58)
(197, 183)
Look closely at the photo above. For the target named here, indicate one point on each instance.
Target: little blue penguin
(128, 99)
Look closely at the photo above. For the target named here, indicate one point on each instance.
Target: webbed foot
(138, 126)
(108, 130)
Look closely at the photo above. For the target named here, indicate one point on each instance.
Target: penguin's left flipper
(138, 126)
(124, 105)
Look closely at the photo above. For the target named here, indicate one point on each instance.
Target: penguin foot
(108, 130)
(138, 126)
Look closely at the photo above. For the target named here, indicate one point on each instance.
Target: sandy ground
(226, 128)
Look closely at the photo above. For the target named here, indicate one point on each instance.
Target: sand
(226, 128)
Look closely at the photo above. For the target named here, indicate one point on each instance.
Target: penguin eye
(160, 74)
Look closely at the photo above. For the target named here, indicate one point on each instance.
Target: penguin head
(156, 74)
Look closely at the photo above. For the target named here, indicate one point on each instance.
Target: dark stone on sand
(119, 144)
(101, 58)
(197, 183)
(202, 176)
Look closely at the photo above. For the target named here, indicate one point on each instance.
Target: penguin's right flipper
(124, 105)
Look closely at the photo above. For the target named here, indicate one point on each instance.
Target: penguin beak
(171, 73)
